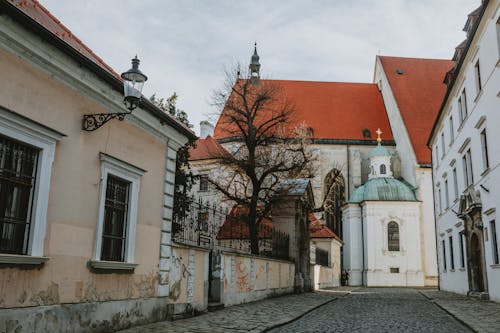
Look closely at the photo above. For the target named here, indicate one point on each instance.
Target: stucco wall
(248, 278)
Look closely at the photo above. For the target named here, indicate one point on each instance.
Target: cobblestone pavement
(481, 316)
(377, 310)
(250, 317)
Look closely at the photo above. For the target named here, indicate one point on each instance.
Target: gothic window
(334, 187)
(382, 169)
(393, 236)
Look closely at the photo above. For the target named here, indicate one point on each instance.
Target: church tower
(254, 67)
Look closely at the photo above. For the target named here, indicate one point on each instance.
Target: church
(374, 193)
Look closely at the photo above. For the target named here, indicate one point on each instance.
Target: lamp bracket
(91, 122)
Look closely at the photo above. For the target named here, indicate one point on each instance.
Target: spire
(255, 66)
(380, 160)
(379, 139)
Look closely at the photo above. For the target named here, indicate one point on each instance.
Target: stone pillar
(166, 225)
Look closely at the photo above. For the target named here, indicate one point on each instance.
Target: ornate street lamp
(133, 81)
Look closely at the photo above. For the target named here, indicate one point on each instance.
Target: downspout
(436, 243)
(362, 247)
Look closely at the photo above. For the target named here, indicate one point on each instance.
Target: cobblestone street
(347, 310)
(377, 310)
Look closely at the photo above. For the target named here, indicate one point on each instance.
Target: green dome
(379, 151)
(383, 189)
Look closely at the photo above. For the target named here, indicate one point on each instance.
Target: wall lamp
(133, 81)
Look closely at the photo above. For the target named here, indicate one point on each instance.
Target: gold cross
(378, 131)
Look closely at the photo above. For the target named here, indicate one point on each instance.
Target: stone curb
(433, 301)
(267, 329)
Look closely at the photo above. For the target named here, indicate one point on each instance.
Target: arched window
(334, 187)
(382, 169)
(393, 236)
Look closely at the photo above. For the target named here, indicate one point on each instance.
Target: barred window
(18, 168)
(203, 183)
(115, 219)
(382, 169)
(393, 236)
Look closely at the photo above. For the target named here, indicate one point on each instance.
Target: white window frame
(29, 132)
(118, 168)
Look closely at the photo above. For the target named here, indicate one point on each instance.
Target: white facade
(466, 177)
(419, 176)
(382, 238)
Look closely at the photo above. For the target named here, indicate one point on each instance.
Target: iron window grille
(18, 169)
(393, 236)
(203, 183)
(116, 207)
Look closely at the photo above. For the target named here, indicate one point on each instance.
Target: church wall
(379, 260)
(353, 243)
(398, 128)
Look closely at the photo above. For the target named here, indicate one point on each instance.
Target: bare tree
(269, 146)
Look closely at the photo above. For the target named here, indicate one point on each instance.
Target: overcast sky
(184, 46)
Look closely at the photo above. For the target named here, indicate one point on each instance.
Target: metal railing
(205, 225)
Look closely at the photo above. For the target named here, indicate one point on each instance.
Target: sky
(185, 46)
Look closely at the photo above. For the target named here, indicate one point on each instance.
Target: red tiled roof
(419, 92)
(207, 149)
(40, 14)
(318, 230)
(334, 110)
(235, 226)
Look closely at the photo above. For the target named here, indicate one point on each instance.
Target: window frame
(120, 169)
(484, 149)
(446, 193)
(455, 182)
(443, 246)
(494, 243)
(462, 249)
(398, 238)
(452, 129)
(205, 183)
(31, 133)
(477, 74)
(452, 257)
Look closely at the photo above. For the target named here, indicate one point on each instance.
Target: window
(460, 110)
(444, 254)
(114, 234)
(437, 155)
(442, 145)
(494, 242)
(452, 259)
(464, 103)
(118, 202)
(452, 130)
(462, 106)
(462, 254)
(477, 71)
(440, 201)
(394, 270)
(18, 169)
(467, 165)
(446, 193)
(203, 183)
(382, 169)
(455, 182)
(393, 236)
(26, 154)
(484, 147)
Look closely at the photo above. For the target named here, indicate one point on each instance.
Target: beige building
(85, 216)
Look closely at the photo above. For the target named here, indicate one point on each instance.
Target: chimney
(206, 129)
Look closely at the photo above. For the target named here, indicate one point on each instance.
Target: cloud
(184, 46)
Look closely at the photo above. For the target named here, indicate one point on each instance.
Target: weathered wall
(247, 278)
(324, 277)
(74, 297)
(189, 279)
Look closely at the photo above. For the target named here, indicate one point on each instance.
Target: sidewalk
(251, 317)
(479, 315)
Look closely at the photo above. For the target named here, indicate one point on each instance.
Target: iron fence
(206, 225)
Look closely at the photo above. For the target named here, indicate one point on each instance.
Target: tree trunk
(253, 228)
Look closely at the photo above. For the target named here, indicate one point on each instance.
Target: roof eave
(457, 69)
(113, 81)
